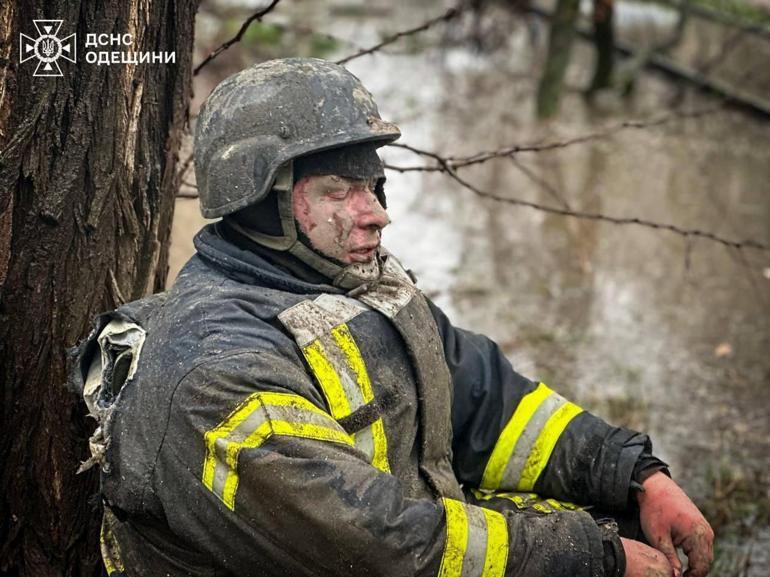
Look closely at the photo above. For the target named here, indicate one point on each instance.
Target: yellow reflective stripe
(506, 443)
(476, 541)
(456, 539)
(221, 431)
(380, 457)
(250, 425)
(497, 544)
(541, 451)
(109, 549)
(327, 376)
(528, 501)
(343, 338)
(346, 343)
(563, 505)
(262, 434)
(239, 415)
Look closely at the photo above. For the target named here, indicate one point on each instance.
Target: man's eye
(337, 193)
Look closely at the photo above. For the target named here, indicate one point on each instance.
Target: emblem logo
(47, 47)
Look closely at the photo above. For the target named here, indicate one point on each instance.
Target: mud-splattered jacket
(252, 423)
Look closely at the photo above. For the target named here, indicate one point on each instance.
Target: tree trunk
(604, 41)
(560, 41)
(87, 183)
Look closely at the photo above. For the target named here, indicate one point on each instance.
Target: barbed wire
(237, 38)
(450, 164)
(509, 151)
(687, 233)
(448, 15)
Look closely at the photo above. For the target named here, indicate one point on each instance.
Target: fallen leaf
(723, 350)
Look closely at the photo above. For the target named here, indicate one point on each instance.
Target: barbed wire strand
(237, 38)
(448, 165)
(446, 168)
(448, 15)
(484, 156)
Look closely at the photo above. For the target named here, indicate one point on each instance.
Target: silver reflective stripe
(340, 309)
(476, 551)
(365, 442)
(237, 435)
(309, 320)
(348, 380)
(529, 435)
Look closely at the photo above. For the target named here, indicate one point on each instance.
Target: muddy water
(641, 326)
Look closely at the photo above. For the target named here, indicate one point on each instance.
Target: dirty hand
(644, 561)
(670, 520)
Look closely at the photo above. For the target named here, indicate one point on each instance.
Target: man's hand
(670, 519)
(644, 561)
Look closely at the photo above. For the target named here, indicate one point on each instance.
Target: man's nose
(369, 213)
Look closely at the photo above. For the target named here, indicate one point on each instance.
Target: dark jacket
(256, 424)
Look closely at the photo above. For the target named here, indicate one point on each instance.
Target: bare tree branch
(687, 233)
(449, 15)
(185, 165)
(237, 38)
(191, 194)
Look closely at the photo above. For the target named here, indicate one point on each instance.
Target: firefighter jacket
(251, 423)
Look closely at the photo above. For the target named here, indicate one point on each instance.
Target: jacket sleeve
(254, 472)
(513, 434)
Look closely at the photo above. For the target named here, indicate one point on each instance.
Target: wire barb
(237, 38)
(448, 15)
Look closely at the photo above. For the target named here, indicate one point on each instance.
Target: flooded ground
(642, 326)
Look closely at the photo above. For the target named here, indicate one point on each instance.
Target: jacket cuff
(624, 447)
(646, 465)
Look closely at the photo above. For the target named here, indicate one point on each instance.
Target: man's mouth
(364, 253)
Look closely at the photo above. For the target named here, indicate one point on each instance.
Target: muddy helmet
(261, 118)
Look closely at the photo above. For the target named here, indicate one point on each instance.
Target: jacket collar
(249, 267)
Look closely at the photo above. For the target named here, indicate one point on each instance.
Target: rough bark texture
(87, 183)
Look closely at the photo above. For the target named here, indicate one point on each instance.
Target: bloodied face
(341, 216)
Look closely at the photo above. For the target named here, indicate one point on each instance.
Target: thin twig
(449, 15)
(185, 165)
(237, 38)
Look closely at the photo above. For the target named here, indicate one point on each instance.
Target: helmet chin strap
(346, 277)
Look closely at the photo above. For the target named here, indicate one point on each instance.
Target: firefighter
(294, 405)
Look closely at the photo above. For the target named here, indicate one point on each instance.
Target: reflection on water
(649, 329)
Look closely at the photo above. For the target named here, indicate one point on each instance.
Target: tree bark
(87, 183)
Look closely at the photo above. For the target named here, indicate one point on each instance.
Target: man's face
(341, 217)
